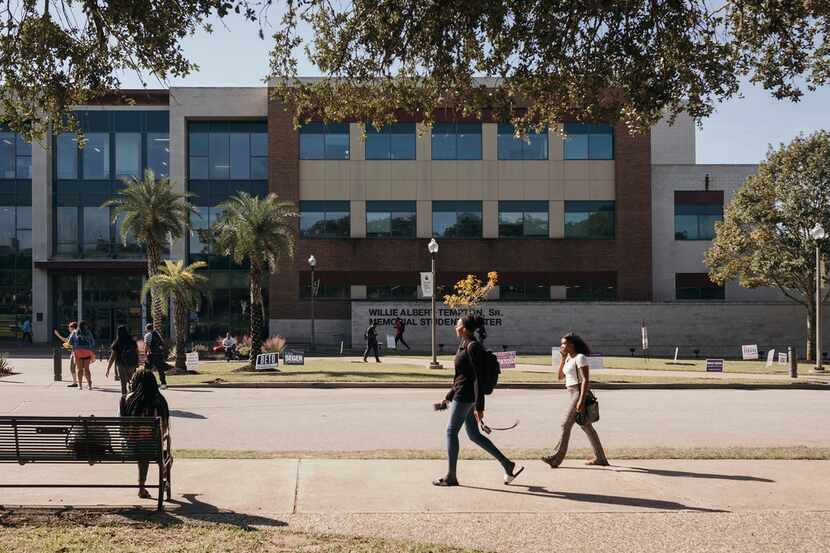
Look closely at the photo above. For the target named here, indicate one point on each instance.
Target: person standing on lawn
(156, 355)
(125, 357)
(371, 336)
(400, 326)
(73, 326)
(467, 399)
(573, 367)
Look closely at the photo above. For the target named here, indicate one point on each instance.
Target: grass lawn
(686, 365)
(143, 532)
(332, 369)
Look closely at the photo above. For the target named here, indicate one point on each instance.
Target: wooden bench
(89, 440)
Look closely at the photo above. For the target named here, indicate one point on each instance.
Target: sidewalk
(311, 486)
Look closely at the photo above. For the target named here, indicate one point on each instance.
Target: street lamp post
(432, 247)
(312, 263)
(818, 234)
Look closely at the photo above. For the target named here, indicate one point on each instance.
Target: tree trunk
(181, 335)
(256, 313)
(810, 351)
(153, 264)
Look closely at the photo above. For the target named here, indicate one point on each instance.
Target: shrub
(274, 344)
(5, 367)
(244, 347)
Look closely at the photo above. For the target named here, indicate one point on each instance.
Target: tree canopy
(629, 60)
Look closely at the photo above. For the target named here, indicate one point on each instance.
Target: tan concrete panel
(357, 227)
(537, 170)
(470, 169)
(603, 190)
(423, 219)
(337, 170)
(358, 292)
(403, 190)
(557, 144)
(556, 222)
(312, 190)
(424, 190)
(511, 170)
(357, 190)
(556, 190)
(424, 171)
(378, 170)
(444, 170)
(556, 170)
(357, 149)
(537, 190)
(338, 190)
(423, 142)
(490, 223)
(491, 170)
(601, 169)
(489, 137)
(470, 189)
(404, 170)
(378, 190)
(312, 169)
(576, 169)
(444, 190)
(577, 190)
(491, 189)
(511, 190)
(357, 171)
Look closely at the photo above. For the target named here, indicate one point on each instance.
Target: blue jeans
(461, 414)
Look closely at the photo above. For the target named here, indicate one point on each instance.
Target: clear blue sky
(739, 131)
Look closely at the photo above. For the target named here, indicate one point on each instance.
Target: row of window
(457, 219)
(15, 230)
(454, 141)
(695, 214)
(15, 157)
(112, 155)
(228, 151)
(88, 231)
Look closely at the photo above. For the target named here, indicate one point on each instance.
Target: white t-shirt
(571, 369)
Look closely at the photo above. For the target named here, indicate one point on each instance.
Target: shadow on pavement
(186, 414)
(678, 473)
(195, 509)
(659, 504)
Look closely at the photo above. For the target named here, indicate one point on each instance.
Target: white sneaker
(163, 386)
(508, 478)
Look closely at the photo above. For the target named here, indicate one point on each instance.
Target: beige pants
(568, 422)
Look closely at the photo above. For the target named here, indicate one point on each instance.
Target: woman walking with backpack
(467, 402)
(573, 367)
(125, 356)
(83, 343)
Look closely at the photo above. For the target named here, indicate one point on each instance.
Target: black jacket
(468, 362)
(371, 334)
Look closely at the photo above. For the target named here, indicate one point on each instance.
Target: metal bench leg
(169, 484)
(162, 481)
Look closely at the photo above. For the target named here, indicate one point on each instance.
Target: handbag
(590, 409)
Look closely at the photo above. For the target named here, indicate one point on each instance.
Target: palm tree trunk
(153, 264)
(256, 313)
(181, 334)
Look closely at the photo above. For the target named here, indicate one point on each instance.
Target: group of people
(466, 401)
(371, 337)
(124, 354)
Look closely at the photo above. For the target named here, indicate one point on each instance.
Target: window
(456, 141)
(233, 155)
(325, 290)
(396, 141)
(158, 154)
(391, 291)
(67, 146)
(127, 155)
(200, 222)
(15, 156)
(533, 146)
(695, 214)
(524, 291)
(324, 141)
(456, 219)
(324, 219)
(589, 220)
(591, 287)
(96, 156)
(23, 228)
(697, 286)
(390, 219)
(96, 232)
(589, 141)
(523, 220)
(67, 230)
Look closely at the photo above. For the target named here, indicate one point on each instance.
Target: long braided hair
(145, 400)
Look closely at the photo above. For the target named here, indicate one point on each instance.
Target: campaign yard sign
(507, 359)
(749, 352)
(290, 357)
(782, 358)
(267, 361)
(770, 357)
(714, 365)
(390, 342)
(192, 361)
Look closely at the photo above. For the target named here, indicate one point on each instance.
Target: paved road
(360, 419)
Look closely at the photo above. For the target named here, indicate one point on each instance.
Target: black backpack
(489, 372)
(128, 356)
(156, 344)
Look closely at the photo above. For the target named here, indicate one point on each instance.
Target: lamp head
(818, 232)
(312, 261)
(432, 246)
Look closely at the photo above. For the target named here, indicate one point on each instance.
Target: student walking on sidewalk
(466, 400)
(125, 357)
(573, 367)
(371, 336)
(400, 326)
(155, 350)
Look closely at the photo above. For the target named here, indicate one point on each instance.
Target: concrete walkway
(290, 486)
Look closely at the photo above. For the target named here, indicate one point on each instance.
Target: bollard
(56, 364)
(793, 362)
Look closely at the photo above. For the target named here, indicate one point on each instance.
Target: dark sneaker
(73, 385)
(598, 463)
(445, 482)
(551, 461)
(510, 475)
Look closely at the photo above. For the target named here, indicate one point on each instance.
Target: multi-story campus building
(595, 232)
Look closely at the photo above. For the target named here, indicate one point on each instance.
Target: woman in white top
(573, 367)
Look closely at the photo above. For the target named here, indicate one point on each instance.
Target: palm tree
(183, 285)
(260, 231)
(154, 214)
